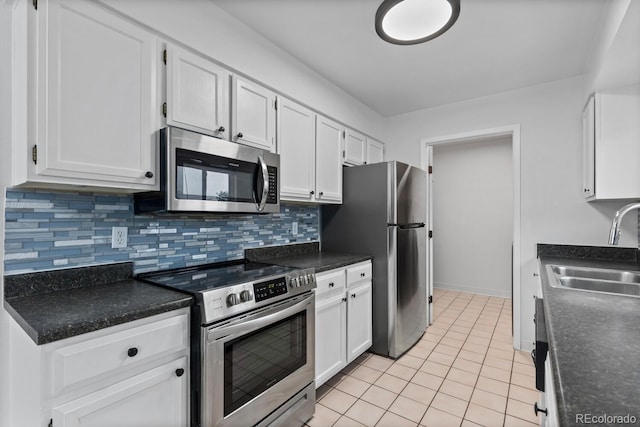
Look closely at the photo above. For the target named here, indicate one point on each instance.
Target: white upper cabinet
(355, 146)
(310, 155)
(296, 146)
(97, 110)
(611, 144)
(253, 115)
(328, 160)
(375, 151)
(197, 93)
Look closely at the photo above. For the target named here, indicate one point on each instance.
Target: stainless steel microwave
(199, 173)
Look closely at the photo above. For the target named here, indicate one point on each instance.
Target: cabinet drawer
(331, 281)
(107, 355)
(359, 272)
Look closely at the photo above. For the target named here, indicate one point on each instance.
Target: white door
(375, 151)
(197, 93)
(296, 146)
(97, 106)
(359, 327)
(253, 115)
(331, 337)
(429, 235)
(156, 398)
(355, 145)
(329, 135)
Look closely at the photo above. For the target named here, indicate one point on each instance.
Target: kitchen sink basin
(609, 281)
(608, 286)
(598, 273)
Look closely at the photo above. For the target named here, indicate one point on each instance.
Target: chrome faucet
(614, 234)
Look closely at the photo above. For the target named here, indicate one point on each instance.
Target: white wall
(473, 216)
(212, 31)
(552, 206)
(5, 144)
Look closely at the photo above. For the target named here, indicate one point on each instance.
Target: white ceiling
(495, 46)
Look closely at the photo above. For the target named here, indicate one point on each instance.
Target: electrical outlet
(294, 228)
(119, 237)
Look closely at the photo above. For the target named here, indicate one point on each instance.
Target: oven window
(257, 361)
(201, 176)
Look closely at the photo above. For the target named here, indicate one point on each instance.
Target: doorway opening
(474, 213)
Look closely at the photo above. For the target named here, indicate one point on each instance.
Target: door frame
(426, 160)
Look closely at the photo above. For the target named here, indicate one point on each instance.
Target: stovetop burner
(225, 289)
(212, 276)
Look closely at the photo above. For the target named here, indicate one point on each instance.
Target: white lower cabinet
(134, 374)
(359, 332)
(150, 399)
(343, 318)
(331, 337)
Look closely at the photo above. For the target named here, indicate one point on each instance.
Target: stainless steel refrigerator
(383, 213)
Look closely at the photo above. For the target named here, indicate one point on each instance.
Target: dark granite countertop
(59, 304)
(594, 338)
(305, 255)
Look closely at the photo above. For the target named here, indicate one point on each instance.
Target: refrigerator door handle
(408, 226)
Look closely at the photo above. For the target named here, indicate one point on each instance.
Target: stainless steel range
(253, 342)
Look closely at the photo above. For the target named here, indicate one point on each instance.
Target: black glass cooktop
(211, 276)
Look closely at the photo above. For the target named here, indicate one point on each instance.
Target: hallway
(463, 372)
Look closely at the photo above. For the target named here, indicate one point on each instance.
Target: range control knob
(232, 299)
(303, 280)
(292, 282)
(246, 296)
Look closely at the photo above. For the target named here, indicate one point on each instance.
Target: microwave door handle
(265, 184)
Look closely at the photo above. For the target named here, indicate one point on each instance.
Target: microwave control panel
(272, 196)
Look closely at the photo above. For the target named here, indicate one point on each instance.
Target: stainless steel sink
(600, 286)
(609, 281)
(598, 273)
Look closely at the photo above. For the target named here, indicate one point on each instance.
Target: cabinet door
(158, 397)
(328, 160)
(331, 338)
(197, 93)
(296, 146)
(97, 107)
(359, 328)
(588, 149)
(375, 151)
(355, 145)
(253, 115)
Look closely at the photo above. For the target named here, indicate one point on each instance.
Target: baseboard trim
(472, 290)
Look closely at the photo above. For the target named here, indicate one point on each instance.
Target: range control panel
(222, 303)
(270, 289)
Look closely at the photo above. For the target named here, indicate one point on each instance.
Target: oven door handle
(244, 325)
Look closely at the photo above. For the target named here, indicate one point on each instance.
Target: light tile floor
(463, 372)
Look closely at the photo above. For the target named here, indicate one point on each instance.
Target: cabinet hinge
(35, 4)
(34, 154)
(164, 109)
(343, 154)
(430, 169)
(431, 234)
(430, 299)
(164, 56)
(50, 423)
(344, 133)
(275, 104)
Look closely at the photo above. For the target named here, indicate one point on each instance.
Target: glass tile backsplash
(46, 230)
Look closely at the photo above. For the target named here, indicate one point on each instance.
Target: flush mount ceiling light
(415, 21)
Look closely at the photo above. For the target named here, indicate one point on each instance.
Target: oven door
(253, 364)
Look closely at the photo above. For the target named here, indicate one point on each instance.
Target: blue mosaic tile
(46, 230)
